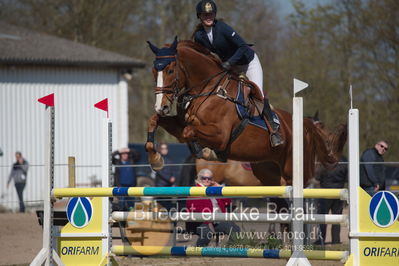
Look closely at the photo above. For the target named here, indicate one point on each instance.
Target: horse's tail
(319, 145)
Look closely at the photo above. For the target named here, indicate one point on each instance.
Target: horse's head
(182, 69)
(165, 72)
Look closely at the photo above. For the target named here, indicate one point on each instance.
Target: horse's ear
(154, 49)
(316, 116)
(174, 44)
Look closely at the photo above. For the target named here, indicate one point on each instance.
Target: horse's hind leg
(267, 172)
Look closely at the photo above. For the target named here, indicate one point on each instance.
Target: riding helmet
(206, 6)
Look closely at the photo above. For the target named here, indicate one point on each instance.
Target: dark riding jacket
(227, 44)
(372, 174)
(163, 176)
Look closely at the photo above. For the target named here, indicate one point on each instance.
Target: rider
(235, 53)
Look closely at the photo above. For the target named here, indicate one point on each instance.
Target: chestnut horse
(234, 173)
(206, 114)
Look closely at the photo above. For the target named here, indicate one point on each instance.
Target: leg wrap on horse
(151, 136)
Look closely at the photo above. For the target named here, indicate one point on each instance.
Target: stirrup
(276, 139)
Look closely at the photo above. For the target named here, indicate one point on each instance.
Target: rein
(189, 97)
(205, 81)
(172, 90)
(173, 87)
(216, 90)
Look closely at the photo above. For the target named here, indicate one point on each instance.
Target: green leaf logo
(79, 211)
(384, 208)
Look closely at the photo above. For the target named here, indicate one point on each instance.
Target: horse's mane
(200, 49)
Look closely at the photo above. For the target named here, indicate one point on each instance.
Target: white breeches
(254, 72)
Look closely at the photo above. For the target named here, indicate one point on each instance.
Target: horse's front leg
(172, 125)
(154, 158)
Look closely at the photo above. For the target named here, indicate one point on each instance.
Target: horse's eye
(170, 71)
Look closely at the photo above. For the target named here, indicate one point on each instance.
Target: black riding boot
(275, 137)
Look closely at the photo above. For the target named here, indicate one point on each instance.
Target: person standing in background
(372, 176)
(125, 174)
(166, 177)
(19, 173)
(332, 178)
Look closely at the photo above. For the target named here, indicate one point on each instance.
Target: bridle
(171, 90)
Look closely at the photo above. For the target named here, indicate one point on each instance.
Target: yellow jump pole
(325, 193)
(277, 191)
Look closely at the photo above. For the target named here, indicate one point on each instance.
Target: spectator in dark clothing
(188, 172)
(19, 173)
(125, 175)
(166, 177)
(332, 178)
(372, 176)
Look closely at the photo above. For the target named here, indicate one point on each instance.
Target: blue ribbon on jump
(271, 253)
(120, 191)
(178, 251)
(214, 191)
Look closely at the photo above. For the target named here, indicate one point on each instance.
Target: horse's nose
(165, 109)
(162, 110)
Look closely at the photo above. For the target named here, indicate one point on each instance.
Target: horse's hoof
(149, 146)
(209, 154)
(157, 163)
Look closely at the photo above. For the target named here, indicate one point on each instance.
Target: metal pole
(106, 162)
(353, 128)
(298, 256)
(47, 254)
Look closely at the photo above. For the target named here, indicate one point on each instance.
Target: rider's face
(207, 19)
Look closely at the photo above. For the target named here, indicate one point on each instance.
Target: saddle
(248, 101)
(252, 95)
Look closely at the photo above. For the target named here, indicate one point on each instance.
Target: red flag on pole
(103, 105)
(47, 100)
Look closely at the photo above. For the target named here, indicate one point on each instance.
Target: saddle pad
(243, 112)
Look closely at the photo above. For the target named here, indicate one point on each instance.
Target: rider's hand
(214, 184)
(226, 65)
(376, 188)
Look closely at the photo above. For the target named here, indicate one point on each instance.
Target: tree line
(331, 46)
